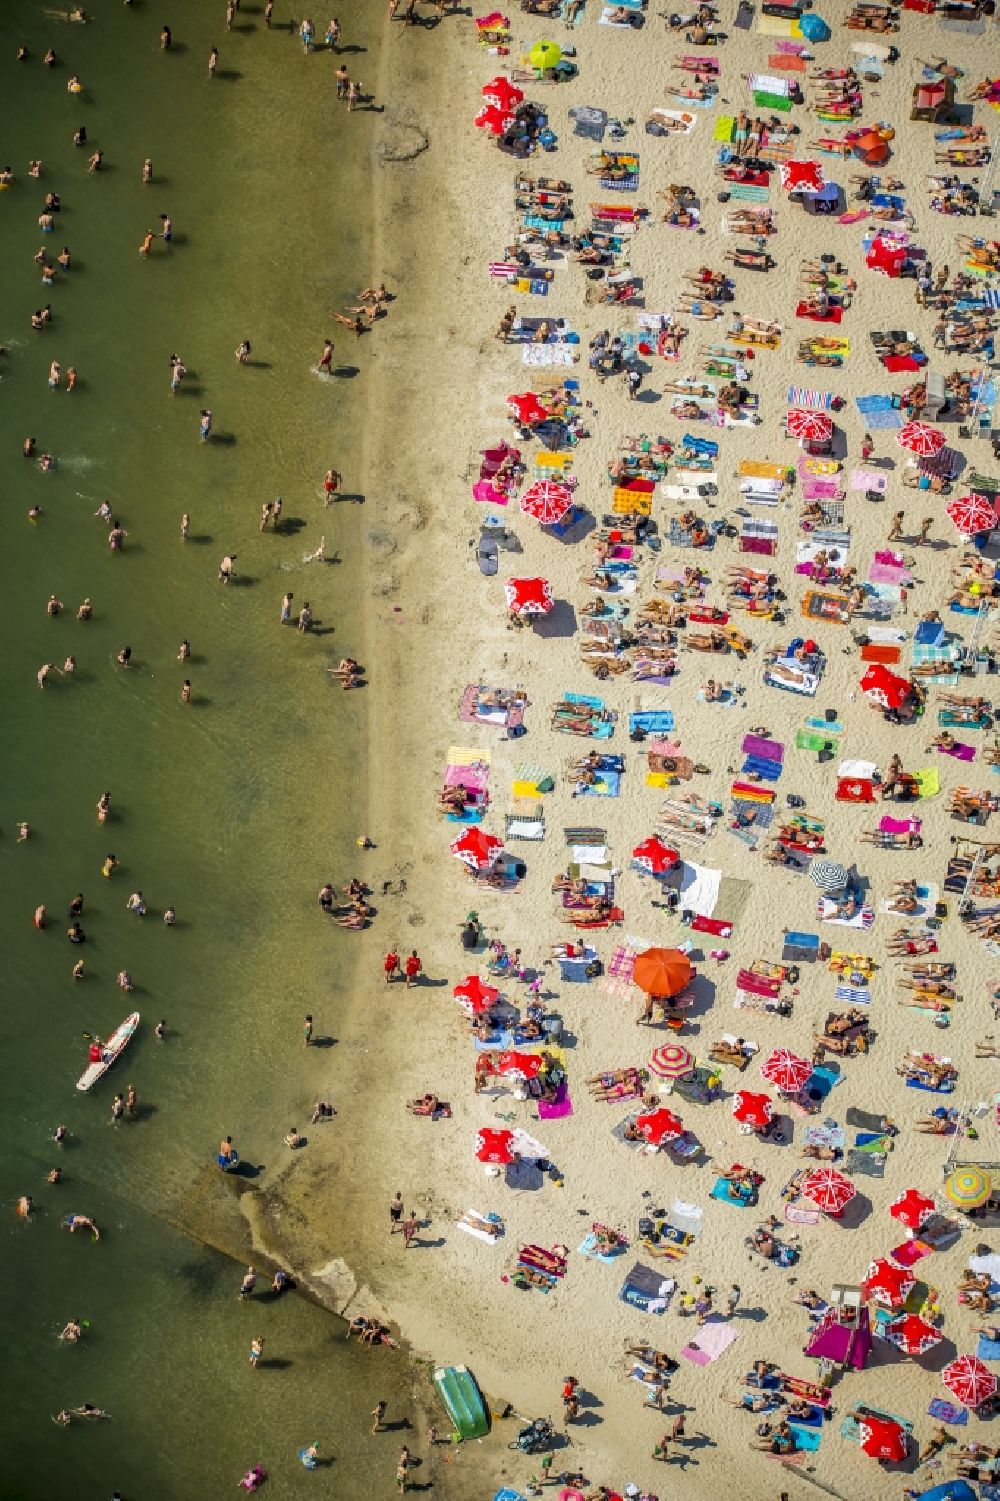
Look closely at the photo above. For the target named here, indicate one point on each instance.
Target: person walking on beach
(925, 527)
(412, 967)
(353, 94)
(896, 529)
(343, 80)
(307, 1031)
(733, 1299)
(390, 965)
(395, 1213)
(331, 484)
(378, 1413)
(248, 1284)
(305, 619)
(227, 568)
(409, 1229)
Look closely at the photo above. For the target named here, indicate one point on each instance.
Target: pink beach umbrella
(786, 1071)
(547, 501)
(814, 427)
(476, 848)
(529, 596)
(972, 513)
(921, 439)
(969, 1380)
(752, 1109)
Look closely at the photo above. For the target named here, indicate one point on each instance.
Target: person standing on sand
(896, 529)
(331, 484)
(395, 1213)
(409, 1229)
(412, 967)
(378, 1413)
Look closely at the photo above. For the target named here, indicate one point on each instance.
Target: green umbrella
(544, 55)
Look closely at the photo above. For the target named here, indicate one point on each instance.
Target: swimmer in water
(69, 667)
(147, 170)
(71, 1332)
(184, 652)
(170, 917)
(54, 1175)
(243, 352)
(25, 1206)
(124, 657)
(34, 512)
(74, 1222)
(159, 1031)
(78, 970)
(86, 611)
(186, 691)
(110, 861)
(147, 243)
(23, 832)
(103, 809)
(60, 1134)
(104, 510)
(185, 526)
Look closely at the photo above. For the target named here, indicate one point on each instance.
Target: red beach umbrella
(546, 501)
(886, 255)
(526, 407)
(786, 1070)
(882, 1438)
(814, 427)
(501, 92)
(529, 596)
(805, 176)
(972, 513)
(829, 1190)
(911, 1208)
(969, 1380)
(659, 1126)
(495, 1146)
(887, 1283)
(885, 688)
(672, 1061)
(655, 856)
(475, 994)
(753, 1110)
(492, 119)
(476, 848)
(912, 1334)
(921, 439)
(662, 971)
(517, 1065)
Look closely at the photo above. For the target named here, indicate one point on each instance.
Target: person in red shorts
(391, 965)
(413, 968)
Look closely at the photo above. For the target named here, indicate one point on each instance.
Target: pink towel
(883, 573)
(889, 825)
(960, 752)
(558, 1108)
(821, 489)
(475, 777)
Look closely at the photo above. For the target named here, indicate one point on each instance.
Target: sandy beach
(435, 625)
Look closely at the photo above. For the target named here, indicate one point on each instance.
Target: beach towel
(928, 779)
(557, 1109)
(720, 1191)
(826, 911)
(588, 1248)
(712, 1340)
(849, 1426)
(948, 1412)
(988, 1349)
(910, 1252)
(806, 1438)
(800, 946)
(476, 1224)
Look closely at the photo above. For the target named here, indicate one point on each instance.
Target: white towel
(854, 768)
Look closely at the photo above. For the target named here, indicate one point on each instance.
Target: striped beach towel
(854, 995)
(809, 400)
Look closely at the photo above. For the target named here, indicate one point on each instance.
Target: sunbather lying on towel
(618, 1084)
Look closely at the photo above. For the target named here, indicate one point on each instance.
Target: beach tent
(672, 1061)
(529, 596)
(882, 1438)
(912, 1334)
(968, 1379)
(546, 501)
(476, 848)
(656, 857)
(972, 513)
(911, 1208)
(475, 995)
(786, 1071)
(753, 1110)
(887, 1283)
(663, 972)
(885, 688)
(846, 1340)
(920, 438)
(829, 1190)
(659, 1126)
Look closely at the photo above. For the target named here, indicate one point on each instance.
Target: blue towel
(877, 403)
(584, 698)
(883, 421)
(721, 1192)
(803, 940)
(948, 1412)
(823, 1080)
(989, 1349)
(947, 1087)
(805, 1438)
(654, 721)
(608, 784)
(769, 770)
(621, 184)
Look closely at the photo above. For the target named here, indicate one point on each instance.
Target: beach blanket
(647, 1290)
(486, 1227)
(849, 1427)
(557, 1109)
(720, 1191)
(988, 1349)
(712, 1340)
(826, 911)
(948, 1412)
(588, 1247)
(807, 1438)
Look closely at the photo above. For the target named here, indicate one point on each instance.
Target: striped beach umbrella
(672, 1061)
(969, 1380)
(828, 875)
(967, 1187)
(921, 439)
(786, 1071)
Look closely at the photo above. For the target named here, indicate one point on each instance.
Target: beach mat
(557, 1109)
(712, 1340)
(948, 1412)
(806, 1438)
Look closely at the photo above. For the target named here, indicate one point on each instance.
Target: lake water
(233, 808)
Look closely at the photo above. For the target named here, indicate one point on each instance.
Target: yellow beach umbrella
(967, 1187)
(544, 55)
